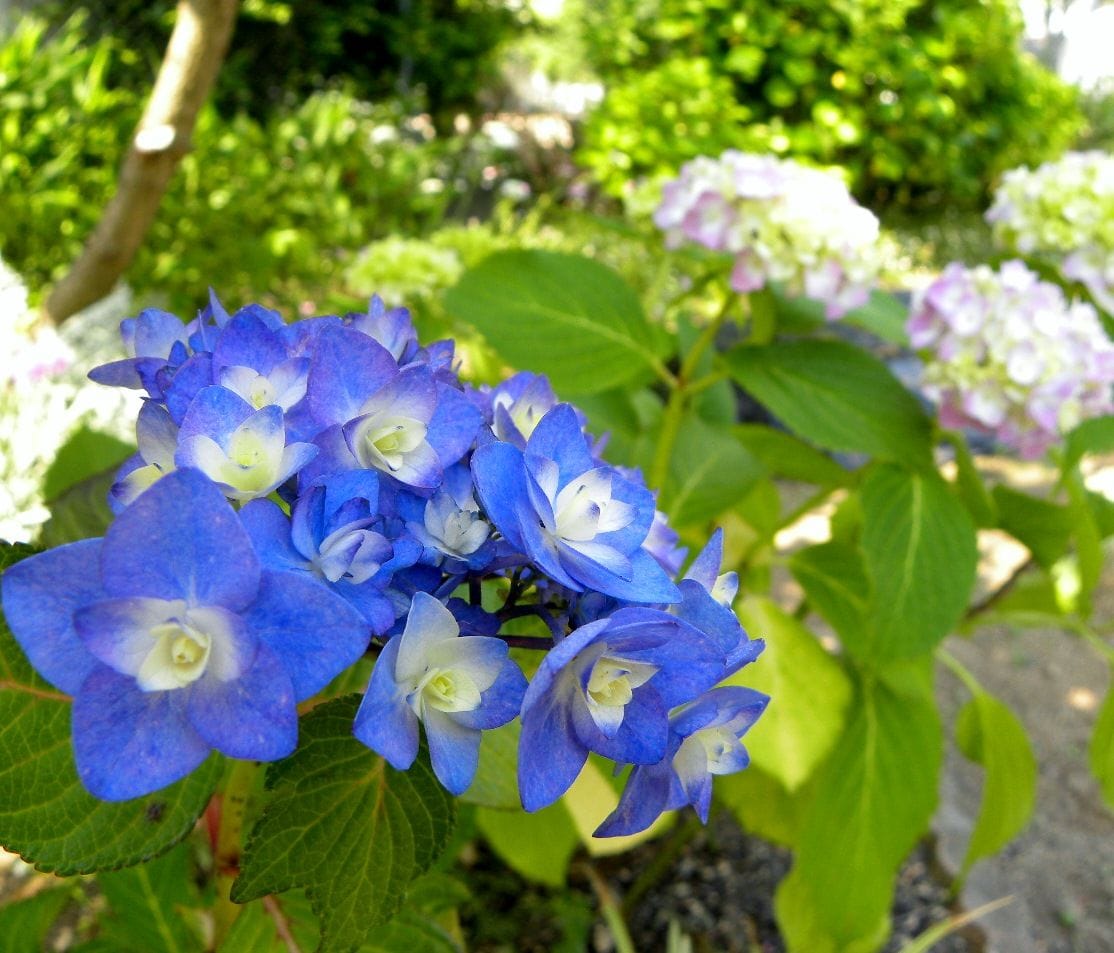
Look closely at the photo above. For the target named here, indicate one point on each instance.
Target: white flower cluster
(1063, 210)
(782, 221)
(44, 396)
(1008, 354)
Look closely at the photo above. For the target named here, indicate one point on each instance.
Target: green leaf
(1044, 528)
(339, 821)
(872, 800)
(81, 512)
(809, 694)
(834, 579)
(46, 816)
(539, 846)
(837, 396)
(25, 923)
(1091, 436)
(972, 491)
(883, 315)
(1088, 542)
(86, 454)
(709, 472)
(496, 781)
(988, 733)
(144, 901)
(785, 456)
(1101, 750)
(920, 555)
(566, 316)
(761, 804)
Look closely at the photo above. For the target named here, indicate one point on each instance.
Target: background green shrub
(920, 101)
(442, 53)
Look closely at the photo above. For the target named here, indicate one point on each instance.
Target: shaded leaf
(1044, 528)
(785, 456)
(873, 798)
(1101, 750)
(809, 693)
(24, 924)
(566, 316)
(709, 472)
(837, 396)
(143, 901)
(81, 512)
(343, 824)
(85, 454)
(496, 781)
(834, 578)
(539, 846)
(988, 733)
(920, 554)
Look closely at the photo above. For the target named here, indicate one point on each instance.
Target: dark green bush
(921, 101)
(439, 52)
(255, 208)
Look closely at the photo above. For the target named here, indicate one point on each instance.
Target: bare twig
(202, 32)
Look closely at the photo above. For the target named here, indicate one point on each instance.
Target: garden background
(464, 158)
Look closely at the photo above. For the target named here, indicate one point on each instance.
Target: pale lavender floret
(783, 222)
(157, 439)
(241, 449)
(1009, 355)
(391, 328)
(457, 686)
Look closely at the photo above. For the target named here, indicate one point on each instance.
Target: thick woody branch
(202, 31)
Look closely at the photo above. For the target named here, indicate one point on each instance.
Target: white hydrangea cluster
(1063, 210)
(783, 222)
(1008, 354)
(45, 396)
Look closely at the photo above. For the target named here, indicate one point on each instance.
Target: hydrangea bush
(415, 598)
(1062, 211)
(782, 221)
(1009, 355)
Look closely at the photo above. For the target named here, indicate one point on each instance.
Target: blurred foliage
(920, 101)
(442, 53)
(1098, 108)
(262, 208)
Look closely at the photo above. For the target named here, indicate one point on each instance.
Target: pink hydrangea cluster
(1008, 354)
(782, 221)
(1063, 210)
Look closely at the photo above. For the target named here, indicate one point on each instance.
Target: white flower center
(387, 440)
(610, 689)
(445, 689)
(177, 657)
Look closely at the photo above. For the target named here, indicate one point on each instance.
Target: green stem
(612, 912)
(1089, 635)
(681, 391)
(959, 670)
(663, 860)
(239, 784)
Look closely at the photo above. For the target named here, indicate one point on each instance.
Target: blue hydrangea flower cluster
(307, 494)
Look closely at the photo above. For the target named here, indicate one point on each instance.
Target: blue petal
(642, 737)
(453, 427)
(648, 584)
(40, 596)
(181, 540)
(128, 742)
(454, 750)
(501, 702)
(247, 341)
(314, 632)
(550, 756)
(384, 722)
(252, 717)
(559, 436)
(705, 567)
(346, 369)
(189, 380)
(156, 332)
(500, 475)
(644, 798)
(269, 529)
(216, 412)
